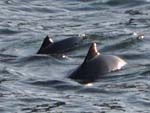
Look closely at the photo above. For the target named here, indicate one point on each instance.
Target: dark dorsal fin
(47, 41)
(92, 52)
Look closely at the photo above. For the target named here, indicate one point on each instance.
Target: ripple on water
(46, 107)
(62, 85)
(8, 31)
(7, 58)
(126, 2)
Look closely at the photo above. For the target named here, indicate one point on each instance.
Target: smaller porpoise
(50, 47)
(96, 65)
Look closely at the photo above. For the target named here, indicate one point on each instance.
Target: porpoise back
(59, 47)
(95, 65)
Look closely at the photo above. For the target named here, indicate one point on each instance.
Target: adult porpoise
(96, 65)
(50, 47)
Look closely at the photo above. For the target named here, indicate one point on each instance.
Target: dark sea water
(31, 83)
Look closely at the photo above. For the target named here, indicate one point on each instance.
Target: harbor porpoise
(50, 47)
(95, 65)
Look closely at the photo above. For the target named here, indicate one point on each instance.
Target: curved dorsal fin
(47, 41)
(92, 52)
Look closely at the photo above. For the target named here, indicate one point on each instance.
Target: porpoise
(50, 47)
(96, 65)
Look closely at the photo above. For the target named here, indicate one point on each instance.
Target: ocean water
(31, 83)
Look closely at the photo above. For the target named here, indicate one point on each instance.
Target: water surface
(31, 83)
